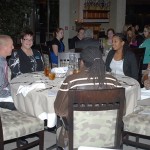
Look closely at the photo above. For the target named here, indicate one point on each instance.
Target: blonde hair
(148, 28)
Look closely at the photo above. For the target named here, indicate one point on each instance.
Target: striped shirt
(79, 81)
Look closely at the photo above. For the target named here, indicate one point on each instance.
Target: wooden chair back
(97, 100)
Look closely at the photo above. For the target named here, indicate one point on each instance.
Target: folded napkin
(145, 93)
(25, 89)
(6, 99)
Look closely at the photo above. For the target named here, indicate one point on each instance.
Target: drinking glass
(51, 75)
(71, 61)
(76, 67)
(46, 70)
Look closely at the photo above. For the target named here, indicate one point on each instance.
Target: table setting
(34, 93)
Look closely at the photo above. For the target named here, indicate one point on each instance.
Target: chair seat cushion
(16, 124)
(139, 121)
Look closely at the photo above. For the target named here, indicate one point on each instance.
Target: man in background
(78, 37)
(88, 40)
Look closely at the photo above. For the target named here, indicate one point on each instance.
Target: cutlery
(45, 89)
(125, 83)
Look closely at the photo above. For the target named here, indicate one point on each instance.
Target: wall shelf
(95, 14)
(96, 20)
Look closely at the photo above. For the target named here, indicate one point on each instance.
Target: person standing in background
(77, 38)
(57, 46)
(88, 40)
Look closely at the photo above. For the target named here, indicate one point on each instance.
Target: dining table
(34, 94)
(132, 92)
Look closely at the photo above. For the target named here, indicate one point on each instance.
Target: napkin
(25, 89)
(145, 93)
(60, 70)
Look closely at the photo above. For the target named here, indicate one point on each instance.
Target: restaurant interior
(88, 94)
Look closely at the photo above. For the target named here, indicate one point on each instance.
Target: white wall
(64, 19)
(70, 10)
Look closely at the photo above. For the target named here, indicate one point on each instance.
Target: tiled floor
(50, 140)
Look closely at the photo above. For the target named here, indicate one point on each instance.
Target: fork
(44, 89)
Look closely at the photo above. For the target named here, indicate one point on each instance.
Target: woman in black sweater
(25, 60)
(120, 59)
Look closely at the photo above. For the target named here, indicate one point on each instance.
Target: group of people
(23, 60)
(92, 75)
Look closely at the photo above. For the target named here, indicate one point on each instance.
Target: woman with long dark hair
(120, 59)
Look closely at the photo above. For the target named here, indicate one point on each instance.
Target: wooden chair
(14, 124)
(139, 53)
(45, 50)
(95, 115)
(136, 125)
(64, 57)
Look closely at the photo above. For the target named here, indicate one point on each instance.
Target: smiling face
(117, 43)
(27, 41)
(81, 34)
(110, 34)
(146, 33)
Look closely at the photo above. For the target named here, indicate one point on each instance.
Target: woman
(133, 39)
(26, 59)
(107, 44)
(57, 46)
(91, 76)
(146, 44)
(120, 59)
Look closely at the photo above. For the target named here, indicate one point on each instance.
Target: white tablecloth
(132, 92)
(37, 103)
(41, 104)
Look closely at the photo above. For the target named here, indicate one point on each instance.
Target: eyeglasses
(31, 40)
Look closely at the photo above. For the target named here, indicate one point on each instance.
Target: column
(120, 14)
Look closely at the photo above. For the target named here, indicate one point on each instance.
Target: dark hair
(92, 58)
(122, 37)
(80, 29)
(57, 30)
(26, 32)
(111, 29)
(130, 29)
